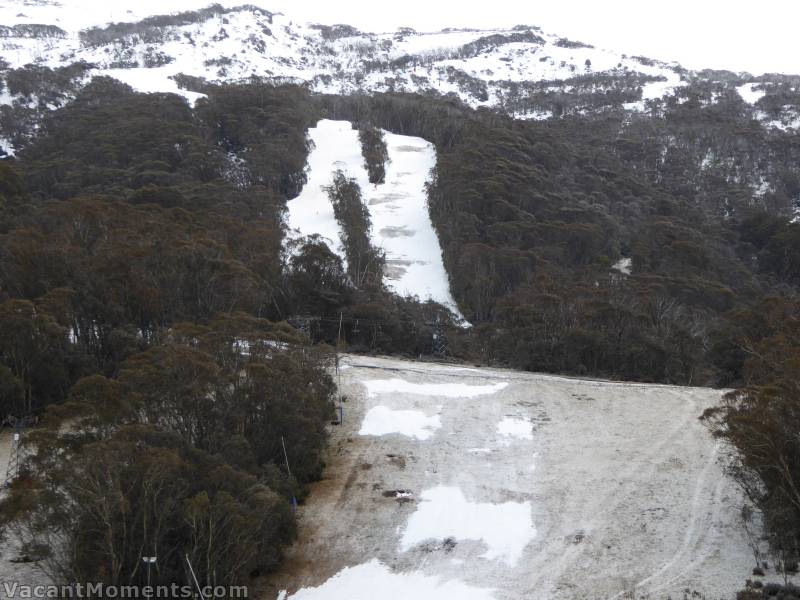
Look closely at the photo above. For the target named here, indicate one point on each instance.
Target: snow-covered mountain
(521, 70)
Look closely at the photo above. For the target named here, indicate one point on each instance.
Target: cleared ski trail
(616, 491)
(398, 208)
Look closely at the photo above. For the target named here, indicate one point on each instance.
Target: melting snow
(444, 512)
(749, 94)
(335, 147)
(5, 146)
(444, 390)
(517, 428)
(152, 81)
(398, 208)
(401, 224)
(658, 89)
(381, 420)
(623, 265)
(374, 580)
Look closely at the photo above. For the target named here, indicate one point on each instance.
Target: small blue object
(294, 504)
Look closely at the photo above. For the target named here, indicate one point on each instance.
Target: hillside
(524, 72)
(455, 482)
(201, 211)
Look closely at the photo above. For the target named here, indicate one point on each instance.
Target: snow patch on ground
(624, 483)
(443, 390)
(381, 420)
(401, 223)
(335, 147)
(375, 580)
(150, 81)
(749, 94)
(5, 146)
(515, 428)
(445, 513)
(658, 89)
(624, 266)
(398, 208)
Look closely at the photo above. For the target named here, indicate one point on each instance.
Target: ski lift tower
(12, 470)
(439, 340)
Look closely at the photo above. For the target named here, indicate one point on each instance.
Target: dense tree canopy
(146, 281)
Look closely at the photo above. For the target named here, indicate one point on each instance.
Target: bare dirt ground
(625, 485)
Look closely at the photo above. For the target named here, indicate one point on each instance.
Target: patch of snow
(444, 512)
(516, 428)
(398, 208)
(789, 121)
(749, 94)
(761, 188)
(6, 147)
(151, 81)
(375, 580)
(623, 265)
(658, 89)
(335, 146)
(381, 420)
(401, 223)
(444, 390)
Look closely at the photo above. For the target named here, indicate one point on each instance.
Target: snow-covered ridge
(229, 41)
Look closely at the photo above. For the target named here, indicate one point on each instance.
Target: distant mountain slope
(523, 71)
(222, 43)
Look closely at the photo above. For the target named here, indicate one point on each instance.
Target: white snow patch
(398, 208)
(5, 146)
(382, 420)
(401, 223)
(151, 81)
(444, 512)
(516, 428)
(375, 580)
(749, 94)
(444, 390)
(335, 147)
(623, 265)
(658, 89)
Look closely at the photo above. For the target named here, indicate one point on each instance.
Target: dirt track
(625, 485)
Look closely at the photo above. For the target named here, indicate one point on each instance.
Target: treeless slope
(510, 485)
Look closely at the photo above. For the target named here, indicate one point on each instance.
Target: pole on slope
(289, 472)
(149, 561)
(338, 372)
(194, 577)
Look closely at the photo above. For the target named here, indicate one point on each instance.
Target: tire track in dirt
(625, 492)
(566, 561)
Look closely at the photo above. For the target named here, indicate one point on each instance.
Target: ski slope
(500, 485)
(398, 208)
